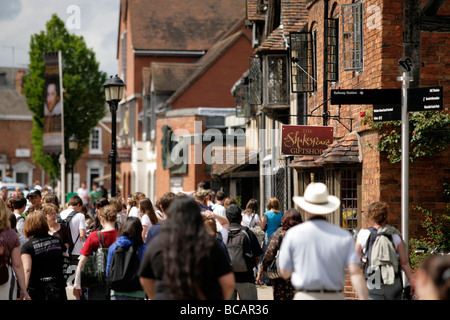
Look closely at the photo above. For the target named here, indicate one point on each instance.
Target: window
(303, 62)
(95, 141)
(241, 95)
(352, 36)
(255, 81)
(349, 199)
(332, 46)
(276, 84)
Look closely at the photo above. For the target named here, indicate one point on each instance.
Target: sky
(96, 20)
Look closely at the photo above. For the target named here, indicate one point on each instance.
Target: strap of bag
(102, 243)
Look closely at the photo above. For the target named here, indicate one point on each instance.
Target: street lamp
(73, 145)
(113, 94)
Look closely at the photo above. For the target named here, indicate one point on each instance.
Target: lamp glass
(107, 93)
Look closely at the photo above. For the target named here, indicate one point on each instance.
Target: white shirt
(317, 252)
(134, 212)
(220, 210)
(77, 223)
(84, 194)
(246, 219)
(364, 234)
(146, 220)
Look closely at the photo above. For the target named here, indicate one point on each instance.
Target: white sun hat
(316, 199)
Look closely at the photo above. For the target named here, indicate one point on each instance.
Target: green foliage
(437, 229)
(429, 134)
(84, 104)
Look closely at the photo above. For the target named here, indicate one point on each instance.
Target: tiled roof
(342, 151)
(206, 61)
(181, 25)
(222, 165)
(252, 11)
(294, 16)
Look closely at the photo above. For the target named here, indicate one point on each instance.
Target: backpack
(237, 250)
(66, 222)
(366, 263)
(123, 270)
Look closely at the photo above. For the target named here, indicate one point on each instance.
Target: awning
(343, 151)
(229, 159)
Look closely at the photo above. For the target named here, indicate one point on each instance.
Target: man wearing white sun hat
(315, 254)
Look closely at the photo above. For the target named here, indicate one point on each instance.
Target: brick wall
(195, 173)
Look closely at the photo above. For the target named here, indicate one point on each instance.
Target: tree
(84, 103)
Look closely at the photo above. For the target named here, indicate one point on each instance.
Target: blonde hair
(274, 205)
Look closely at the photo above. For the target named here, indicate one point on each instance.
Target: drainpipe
(325, 71)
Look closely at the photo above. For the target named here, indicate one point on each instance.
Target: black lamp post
(113, 94)
(73, 145)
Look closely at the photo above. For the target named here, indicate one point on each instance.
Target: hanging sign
(305, 140)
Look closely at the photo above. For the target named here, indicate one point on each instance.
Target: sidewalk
(264, 293)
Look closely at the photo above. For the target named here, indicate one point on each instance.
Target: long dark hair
(186, 244)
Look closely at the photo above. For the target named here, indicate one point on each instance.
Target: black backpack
(237, 244)
(66, 222)
(123, 270)
(366, 263)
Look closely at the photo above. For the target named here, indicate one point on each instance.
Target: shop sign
(305, 140)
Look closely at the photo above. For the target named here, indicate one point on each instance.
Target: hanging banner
(305, 140)
(52, 141)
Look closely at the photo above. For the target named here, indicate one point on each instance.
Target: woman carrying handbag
(97, 239)
(282, 289)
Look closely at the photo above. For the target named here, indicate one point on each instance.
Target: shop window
(349, 199)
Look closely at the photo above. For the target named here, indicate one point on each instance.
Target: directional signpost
(395, 104)
(425, 99)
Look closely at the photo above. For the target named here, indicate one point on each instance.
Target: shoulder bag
(94, 271)
(272, 270)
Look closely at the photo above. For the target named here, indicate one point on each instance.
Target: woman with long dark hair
(148, 216)
(184, 262)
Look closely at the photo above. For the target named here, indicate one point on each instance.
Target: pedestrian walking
(108, 216)
(271, 221)
(316, 253)
(148, 216)
(282, 288)
(164, 203)
(133, 210)
(77, 225)
(184, 262)
(129, 236)
(50, 212)
(245, 251)
(383, 253)
(10, 257)
(42, 258)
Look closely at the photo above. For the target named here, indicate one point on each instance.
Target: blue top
(124, 241)
(273, 221)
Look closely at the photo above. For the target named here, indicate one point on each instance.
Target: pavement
(264, 292)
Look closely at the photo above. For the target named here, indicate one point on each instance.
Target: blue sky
(95, 20)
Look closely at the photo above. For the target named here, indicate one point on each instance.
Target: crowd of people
(202, 246)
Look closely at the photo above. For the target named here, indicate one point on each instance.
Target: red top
(92, 243)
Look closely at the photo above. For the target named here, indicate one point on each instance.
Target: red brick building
(183, 55)
(296, 64)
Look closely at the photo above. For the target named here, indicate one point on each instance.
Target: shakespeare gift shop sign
(305, 140)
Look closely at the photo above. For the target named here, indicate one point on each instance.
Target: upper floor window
(277, 84)
(95, 141)
(352, 36)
